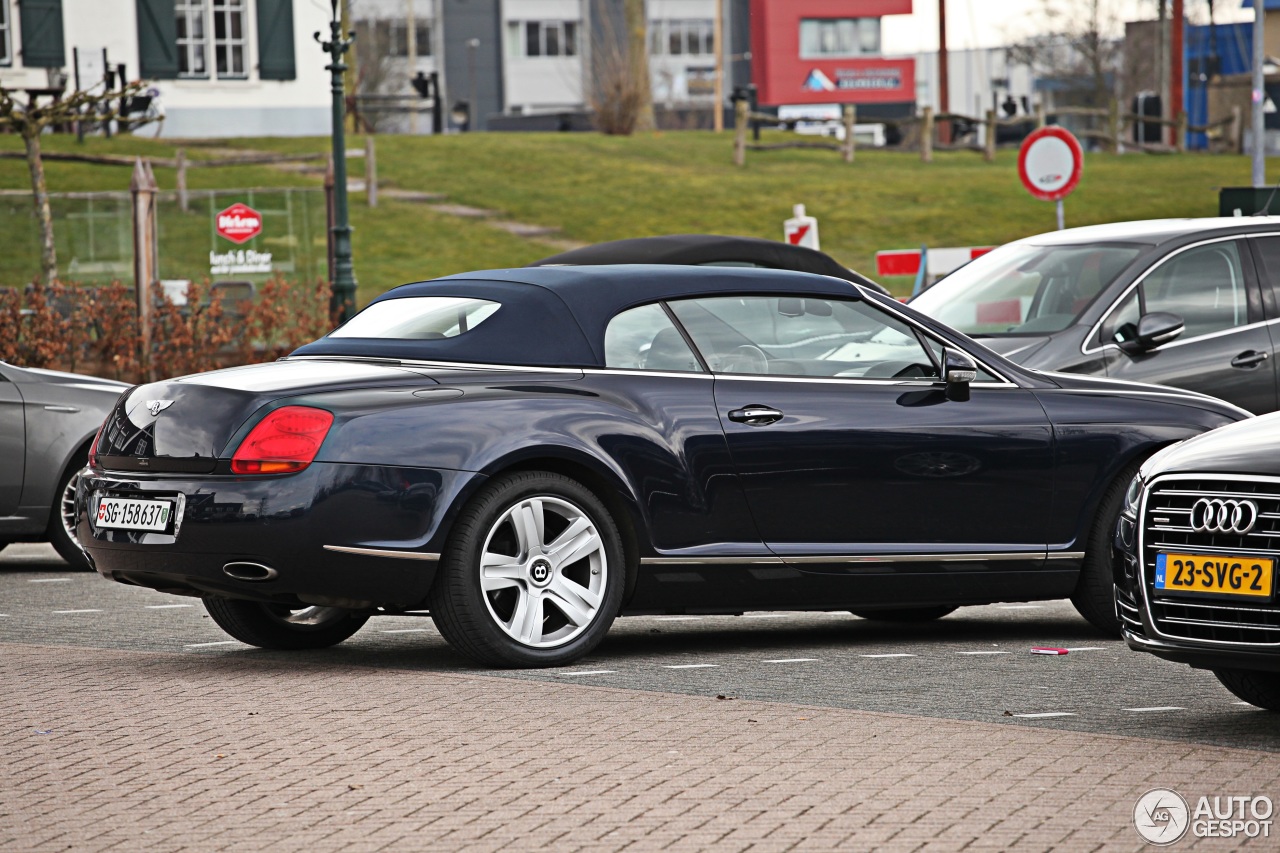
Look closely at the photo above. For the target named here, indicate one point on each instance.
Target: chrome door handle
(755, 415)
(1249, 358)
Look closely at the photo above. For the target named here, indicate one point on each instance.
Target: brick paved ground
(132, 750)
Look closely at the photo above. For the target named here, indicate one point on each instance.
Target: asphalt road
(975, 664)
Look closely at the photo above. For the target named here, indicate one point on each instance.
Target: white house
(222, 67)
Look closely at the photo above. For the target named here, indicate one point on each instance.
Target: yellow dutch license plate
(1216, 575)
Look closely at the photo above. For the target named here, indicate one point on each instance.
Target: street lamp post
(343, 298)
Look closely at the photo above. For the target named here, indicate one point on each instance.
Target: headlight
(1132, 496)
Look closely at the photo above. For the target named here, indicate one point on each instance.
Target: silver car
(47, 422)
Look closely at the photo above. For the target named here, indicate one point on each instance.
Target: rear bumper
(354, 536)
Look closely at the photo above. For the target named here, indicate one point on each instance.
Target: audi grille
(1214, 516)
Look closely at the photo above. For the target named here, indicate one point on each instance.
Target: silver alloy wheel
(306, 618)
(543, 572)
(67, 507)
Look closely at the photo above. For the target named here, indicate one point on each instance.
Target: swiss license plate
(1216, 575)
(134, 514)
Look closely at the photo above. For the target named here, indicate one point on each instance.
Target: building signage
(866, 79)
(239, 262)
(239, 223)
(786, 72)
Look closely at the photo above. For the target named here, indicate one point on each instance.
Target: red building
(828, 52)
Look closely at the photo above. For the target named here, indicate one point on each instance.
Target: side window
(1269, 252)
(1205, 286)
(1122, 324)
(644, 338)
(792, 336)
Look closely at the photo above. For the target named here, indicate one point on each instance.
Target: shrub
(94, 330)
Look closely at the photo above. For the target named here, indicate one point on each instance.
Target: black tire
(63, 540)
(905, 614)
(267, 625)
(1094, 595)
(469, 618)
(1256, 688)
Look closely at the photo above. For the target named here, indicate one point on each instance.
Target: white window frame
(517, 39)
(6, 35)
(208, 12)
(228, 9)
(662, 29)
(857, 51)
(188, 45)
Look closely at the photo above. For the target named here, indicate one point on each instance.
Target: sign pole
(1062, 218)
(342, 301)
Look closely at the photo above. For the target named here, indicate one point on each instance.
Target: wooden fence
(921, 132)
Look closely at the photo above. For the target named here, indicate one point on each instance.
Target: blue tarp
(1232, 45)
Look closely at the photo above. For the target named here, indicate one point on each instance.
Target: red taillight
(284, 441)
(93, 448)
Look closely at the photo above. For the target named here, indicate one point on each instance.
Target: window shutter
(157, 39)
(275, 40)
(42, 44)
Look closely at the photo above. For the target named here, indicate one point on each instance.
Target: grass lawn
(597, 188)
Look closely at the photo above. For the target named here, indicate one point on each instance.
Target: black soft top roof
(556, 316)
(698, 249)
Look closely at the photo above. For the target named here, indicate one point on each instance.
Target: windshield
(1022, 289)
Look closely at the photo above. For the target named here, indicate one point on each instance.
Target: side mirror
(958, 370)
(1154, 329)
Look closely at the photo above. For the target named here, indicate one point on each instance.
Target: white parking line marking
(50, 580)
(404, 631)
(206, 645)
(1046, 714)
(899, 655)
(77, 611)
(691, 666)
(792, 660)
(1157, 708)
(678, 618)
(587, 672)
(1085, 648)
(766, 615)
(1021, 606)
(982, 653)
(167, 606)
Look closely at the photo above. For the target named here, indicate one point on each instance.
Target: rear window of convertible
(418, 318)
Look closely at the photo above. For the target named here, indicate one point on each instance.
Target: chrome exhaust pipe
(243, 571)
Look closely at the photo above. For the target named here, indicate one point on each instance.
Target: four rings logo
(1216, 515)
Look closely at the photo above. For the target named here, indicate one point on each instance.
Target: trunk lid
(183, 425)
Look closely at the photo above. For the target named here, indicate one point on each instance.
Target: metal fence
(94, 236)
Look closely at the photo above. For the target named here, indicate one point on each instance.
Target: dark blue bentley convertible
(529, 453)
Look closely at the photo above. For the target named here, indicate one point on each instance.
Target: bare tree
(375, 68)
(618, 89)
(1079, 43)
(30, 119)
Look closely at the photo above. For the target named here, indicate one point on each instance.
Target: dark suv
(1184, 302)
(1199, 542)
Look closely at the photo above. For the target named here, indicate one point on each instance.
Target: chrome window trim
(1183, 642)
(383, 552)
(940, 557)
(1086, 349)
(448, 365)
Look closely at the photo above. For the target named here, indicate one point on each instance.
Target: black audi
(527, 454)
(1192, 303)
(1199, 539)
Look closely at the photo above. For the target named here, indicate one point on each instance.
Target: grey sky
(989, 23)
